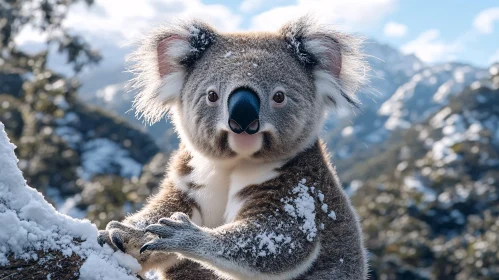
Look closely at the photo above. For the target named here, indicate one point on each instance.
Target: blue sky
(453, 19)
(436, 31)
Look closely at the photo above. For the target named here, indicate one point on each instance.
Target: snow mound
(30, 224)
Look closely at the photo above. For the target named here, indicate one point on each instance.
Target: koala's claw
(105, 237)
(144, 248)
(117, 242)
(101, 239)
(123, 237)
(162, 244)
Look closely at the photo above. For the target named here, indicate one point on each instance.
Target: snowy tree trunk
(37, 242)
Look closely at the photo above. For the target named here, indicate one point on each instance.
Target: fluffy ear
(338, 65)
(160, 66)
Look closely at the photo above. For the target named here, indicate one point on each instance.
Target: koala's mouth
(245, 144)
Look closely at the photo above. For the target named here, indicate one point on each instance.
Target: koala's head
(260, 96)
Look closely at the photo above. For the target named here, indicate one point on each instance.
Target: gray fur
(341, 250)
(317, 69)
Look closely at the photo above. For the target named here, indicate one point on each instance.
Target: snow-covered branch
(37, 242)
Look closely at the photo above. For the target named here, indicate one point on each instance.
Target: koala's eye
(212, 96)
(278, 97)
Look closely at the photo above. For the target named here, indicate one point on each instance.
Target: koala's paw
(176, 234)
(123, 237)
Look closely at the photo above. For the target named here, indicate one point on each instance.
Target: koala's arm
(129, 235)
(263, 245)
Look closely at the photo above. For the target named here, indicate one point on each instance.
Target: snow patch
(353, 187)
(103, 156)
(70, 135)
(61, 102)
(332, 215)
(414, 183)
(269, 243)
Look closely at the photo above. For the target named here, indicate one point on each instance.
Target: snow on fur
(302, 205)
(265, 244)
(31, 224)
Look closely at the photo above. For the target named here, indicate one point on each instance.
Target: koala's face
(259, 96)
(259, 67)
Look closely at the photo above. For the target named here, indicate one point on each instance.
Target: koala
(250, 193)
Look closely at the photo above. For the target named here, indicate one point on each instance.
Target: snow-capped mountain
(425, 92)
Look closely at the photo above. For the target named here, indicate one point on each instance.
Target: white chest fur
(217, 198)
(244, 175)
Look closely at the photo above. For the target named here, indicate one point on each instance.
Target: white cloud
(430, 48)
(394, 29)
(251, 5)
(495, 57)
(484, 21)
(132, 19)
(350, 14)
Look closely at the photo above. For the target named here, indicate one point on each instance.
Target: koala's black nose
(244, 110)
